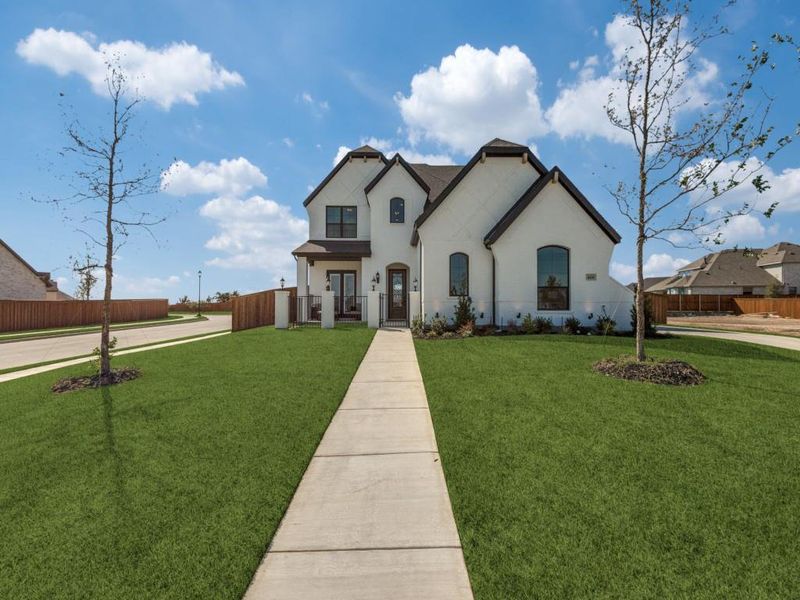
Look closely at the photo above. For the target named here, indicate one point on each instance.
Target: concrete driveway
(776, 341)
(28, 352)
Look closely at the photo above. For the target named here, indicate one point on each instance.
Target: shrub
(449, 335)
(542, 325)
(418, 326)
(467, 329)
(774, 289)
(464, 312)
(572, 326)
(649, 326)
(605, 324)
(438, 325)
(528, 325)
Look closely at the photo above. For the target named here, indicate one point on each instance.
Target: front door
(397, 295)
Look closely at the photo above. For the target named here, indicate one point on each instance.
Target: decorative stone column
(327, 317)
(281, 309)
(374, 309)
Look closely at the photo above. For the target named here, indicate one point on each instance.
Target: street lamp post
(199, 279)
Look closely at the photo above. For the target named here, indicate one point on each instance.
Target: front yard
(567, 484)
(172, 485)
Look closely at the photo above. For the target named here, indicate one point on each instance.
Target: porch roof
(334, 249)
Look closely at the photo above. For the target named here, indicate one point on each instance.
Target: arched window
(397, 210)
(552, 276)
(459, 274)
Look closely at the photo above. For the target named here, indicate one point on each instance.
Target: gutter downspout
(494, 290)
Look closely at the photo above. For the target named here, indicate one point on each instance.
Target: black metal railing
(350, 309)
(394, 310)
(306, 311)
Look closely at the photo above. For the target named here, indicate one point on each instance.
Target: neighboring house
(503, 229)
(20, 281)
(649, 282)
(738, 273)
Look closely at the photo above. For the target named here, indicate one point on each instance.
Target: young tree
(85, 268)
(106, 188)
(684, 160)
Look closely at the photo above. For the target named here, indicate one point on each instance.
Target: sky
(247, 105)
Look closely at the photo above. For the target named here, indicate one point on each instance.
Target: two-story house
(503, 229)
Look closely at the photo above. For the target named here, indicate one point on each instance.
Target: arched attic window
(397, 210)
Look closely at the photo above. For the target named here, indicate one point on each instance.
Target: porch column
(413, 306)
(302, 276)
(281, 309)
(374, 309)
(327, 310)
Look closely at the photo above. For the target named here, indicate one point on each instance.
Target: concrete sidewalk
(762, 339)
(371, 517)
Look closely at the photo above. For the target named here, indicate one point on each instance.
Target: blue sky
(256, 99)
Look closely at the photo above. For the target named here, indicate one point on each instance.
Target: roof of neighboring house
(555, 174)
(721, 269)
(45, 277)
(494, 148)
(362, 152)
(780, 254)
(649, 282)
(333, 249)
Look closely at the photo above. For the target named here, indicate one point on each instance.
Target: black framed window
(397, 210)
(459, 274)
(552, 278)
(341, 221)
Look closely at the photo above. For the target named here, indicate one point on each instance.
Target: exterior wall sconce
(327, 283)
(377, 277)
(283, 281)
(415, 284)
(373, 283)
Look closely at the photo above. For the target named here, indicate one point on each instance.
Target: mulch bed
(668, 372)
(71, 384)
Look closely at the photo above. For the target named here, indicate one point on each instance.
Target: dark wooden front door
(398, 297)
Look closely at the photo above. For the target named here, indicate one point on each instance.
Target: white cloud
(656, 265)
(318, 107)
(168, 75)
(579, 110)
(389, 148)
(254, 233)
(288, 142)
(340, 154)
(145, 286)
(474, 95)
(744, 228)
(228, 177)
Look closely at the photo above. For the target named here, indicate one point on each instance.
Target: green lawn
(567, 484)
(170, 486)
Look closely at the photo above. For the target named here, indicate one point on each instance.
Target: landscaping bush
(438, 326)
(467, 329)
(511, 326)
(605, 324)
(649, 326)
(418, 326)
(542, 325)
(571, 326)
(527, 325)
(464, 312)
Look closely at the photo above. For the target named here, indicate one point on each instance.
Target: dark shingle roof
(498, 143)
(779, 254)
(334, 249)
(722, 269)
(436, 177)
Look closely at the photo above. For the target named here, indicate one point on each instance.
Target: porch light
(373, 283)
(283, 281)
(415, 284)
(377, 277)
(327, 283)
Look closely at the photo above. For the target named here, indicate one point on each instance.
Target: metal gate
(305, 311)
(391, 314)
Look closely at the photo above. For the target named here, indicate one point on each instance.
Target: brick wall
(16, 280)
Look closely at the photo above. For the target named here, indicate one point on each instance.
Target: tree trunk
(105, 333)
(640, 299)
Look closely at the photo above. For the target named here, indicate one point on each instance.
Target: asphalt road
(28, 352)
(776, 341)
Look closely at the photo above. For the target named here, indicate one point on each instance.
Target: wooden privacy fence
(204, 307)
(256, 310)
(20, 315)
(785, 307)
(658, 305)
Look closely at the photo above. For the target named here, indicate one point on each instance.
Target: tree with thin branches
(85, 268)
(106, 188)
(685, 159)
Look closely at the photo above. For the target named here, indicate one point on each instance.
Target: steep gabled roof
(437, 177)
(721, 269)
(494, 148)
(530, 194)
(362, 152)
(397, 160)
(45, 277)
(334, 249)
(780, 254)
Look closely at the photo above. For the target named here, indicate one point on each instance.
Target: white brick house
(20, 281)
(503, 229)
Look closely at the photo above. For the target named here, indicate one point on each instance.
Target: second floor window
(397, 210)
(341, 221)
